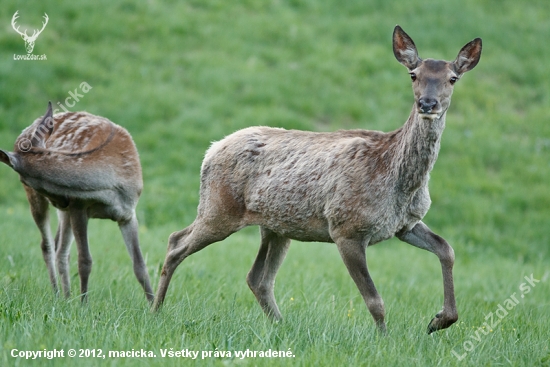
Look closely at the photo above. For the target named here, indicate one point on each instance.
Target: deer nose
(426, 105)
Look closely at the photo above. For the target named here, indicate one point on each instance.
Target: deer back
(296, 182)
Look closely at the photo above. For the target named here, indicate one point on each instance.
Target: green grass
(179, 75)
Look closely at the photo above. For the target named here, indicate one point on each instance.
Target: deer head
(29, 40)
(433, 80)
(43, 131)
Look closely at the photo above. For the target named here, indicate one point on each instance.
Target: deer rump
(305, 185)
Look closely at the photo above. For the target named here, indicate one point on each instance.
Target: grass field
(181, 74)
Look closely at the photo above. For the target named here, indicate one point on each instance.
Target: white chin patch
(429, 116)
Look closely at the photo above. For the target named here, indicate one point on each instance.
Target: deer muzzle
(428, 107)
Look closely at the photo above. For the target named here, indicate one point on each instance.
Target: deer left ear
(44, 129)
(468, 57)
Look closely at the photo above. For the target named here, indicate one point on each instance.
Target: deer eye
(413, 76)
(453, 80)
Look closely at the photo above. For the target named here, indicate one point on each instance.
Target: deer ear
(404, 49)
(8, 158)
(44, 129)
(468, 57)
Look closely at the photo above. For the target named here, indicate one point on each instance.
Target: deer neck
(418, 150)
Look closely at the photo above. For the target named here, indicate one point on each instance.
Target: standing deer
(87, 167)
(29, 40)
(354, 188)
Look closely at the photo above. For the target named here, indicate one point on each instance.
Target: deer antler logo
(29, 40)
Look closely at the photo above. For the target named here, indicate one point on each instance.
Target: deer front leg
(39, 209)
(353, 254)
(422, 237)
(79, 225)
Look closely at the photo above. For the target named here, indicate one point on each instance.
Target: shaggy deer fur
(87, 167)
(354, 188)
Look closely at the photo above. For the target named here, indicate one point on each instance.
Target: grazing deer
(29, 40)
(354, 188)
(87, 167)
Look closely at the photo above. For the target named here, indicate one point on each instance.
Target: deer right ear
(404, 49)
(8, 158)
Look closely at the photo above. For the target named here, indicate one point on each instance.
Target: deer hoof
(441, 321)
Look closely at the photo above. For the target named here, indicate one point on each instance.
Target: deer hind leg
(63, 240)
(129, 231)
(352, 252)
(79, 225)
(201, 233)
(261, 278)
(39, 209)
(422, 237)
